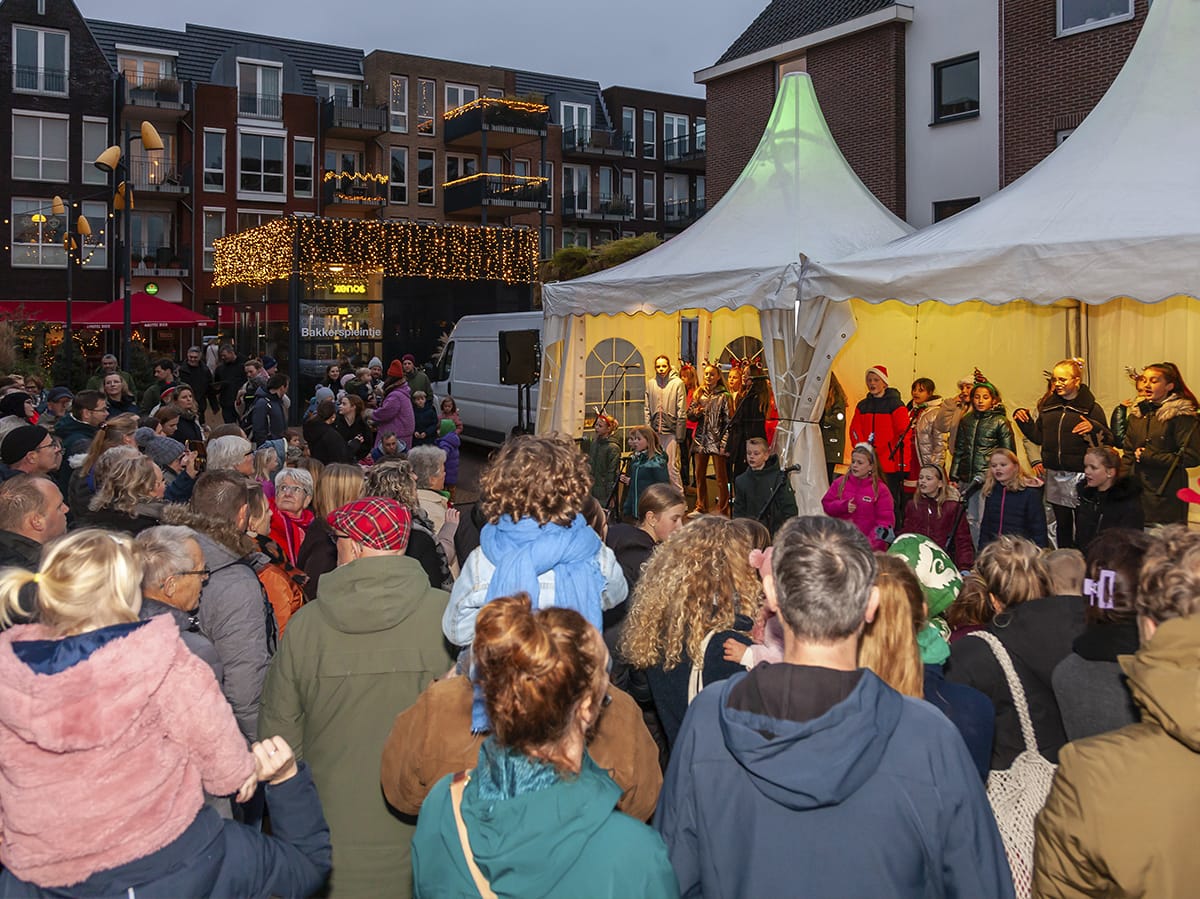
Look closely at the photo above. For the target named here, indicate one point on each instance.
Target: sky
(649, 44)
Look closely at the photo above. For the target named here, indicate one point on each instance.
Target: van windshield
(442, 370)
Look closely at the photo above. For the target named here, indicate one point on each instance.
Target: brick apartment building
(935, 103)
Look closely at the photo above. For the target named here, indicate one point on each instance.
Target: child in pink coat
(862, 498)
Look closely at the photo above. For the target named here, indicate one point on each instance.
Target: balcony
(595, 142)
(166, 94)
(343, 120)
(685, 152)
(353, 190)
(260, 106)
(159, 176)
(504, 195)
(160, 262)
(601, 208)
(503, 123)
(678, 214)
(30, 79)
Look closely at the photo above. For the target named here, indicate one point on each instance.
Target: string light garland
(482, 102)
(364, 247)
(366, 177)
(518, 180)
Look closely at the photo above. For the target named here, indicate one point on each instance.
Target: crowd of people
(265, 662)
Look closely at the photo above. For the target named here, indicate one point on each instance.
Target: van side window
(444, 363)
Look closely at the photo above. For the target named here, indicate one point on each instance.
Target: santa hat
(879, 371)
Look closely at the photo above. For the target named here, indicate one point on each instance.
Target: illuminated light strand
(519, 180)
(515, 105)
(368, 247)
(376, 177)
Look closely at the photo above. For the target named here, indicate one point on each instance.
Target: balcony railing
(342, 116)
(685, 148)
(597, 141)
(601, 207)
(153, 92)
(520, 119)
(513, 192)
(683, 212)
(44, 81)
(262, 106)
(159, 175)
(161, 261)
(354, 189)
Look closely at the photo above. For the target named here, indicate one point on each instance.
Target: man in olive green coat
(350, 661)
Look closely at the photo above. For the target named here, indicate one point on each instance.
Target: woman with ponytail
(536, 817)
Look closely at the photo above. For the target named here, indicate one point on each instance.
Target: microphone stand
(611, 505)
(762, 514)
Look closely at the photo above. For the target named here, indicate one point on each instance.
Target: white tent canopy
(796, 199)
(1111, 213)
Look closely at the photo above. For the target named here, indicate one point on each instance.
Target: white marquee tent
(732, 274)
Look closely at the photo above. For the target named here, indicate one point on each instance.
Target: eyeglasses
(52, 446)
(292, 488)
(203, 573)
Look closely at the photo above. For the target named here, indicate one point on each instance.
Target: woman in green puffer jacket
(982, 430)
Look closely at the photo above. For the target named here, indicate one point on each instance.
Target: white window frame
(327, 86)
(41, 66)
(393, 184)
(701, 133)
(677, 181)
(138, 240)
(649, 132)
(548, 174)
(462, 159)
(462, 90)
(50, 251)
(312, 176)
(578, 111)
(211, 170)
(1089, 26)
(91, 174)
(522, 163)
(630, 176)
(267, 196)
(207, 259)
(576, 174)
(94, 247)
(65, 160)
(398, 120)
(165, 62)
(432, 155)
(674, 119)
(577, 237)
(259, 65)
(629, 138)
(649, 197)
(431, 118)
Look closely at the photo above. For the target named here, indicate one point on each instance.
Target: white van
(469, 370)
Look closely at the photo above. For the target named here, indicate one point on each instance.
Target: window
(546, 242)
(649, 126)
(1062, 134)
(426, 110)
(701, 193)
(628, 179)
(148, 231)
(95, 142)
(37, 235)
(605, 176)
(576, 239)
(956, 89)
(342, 93)
(628, 129)
(146, 71)
(548, 174)
(40, 61)
(495, 165)
(214, 160)
(460, 95)
(398, 185)
(458, 166)
(302, 167)
(521, 167)
(576, 124)
(675, 197)
(1082, 15)
(260, 88)
(398, 103)
(649, 207)
(39, 147)
(94, 247)
(214, 228)
(261, 164)
(426, 166)
(675, 134)
(575, 188)
(248, 220)
(606, 375)
(943, 209)
(701, 128)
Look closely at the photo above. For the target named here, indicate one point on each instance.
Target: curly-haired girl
(697, 590)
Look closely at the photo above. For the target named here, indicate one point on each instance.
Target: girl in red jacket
(934, 514)
(881, 419)
(862, 498)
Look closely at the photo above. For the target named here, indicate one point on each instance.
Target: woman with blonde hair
(338, 485)
(647, 466)
(1012, 501)
(116, 431)
(1037, 633)
(698, 590)
(129, 497)
(861, 497)
(934, 514)
(110, 725)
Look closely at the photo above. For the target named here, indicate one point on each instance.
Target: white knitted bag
(1018, 793)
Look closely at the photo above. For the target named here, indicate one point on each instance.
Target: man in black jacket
(196, 375)
(227, 380)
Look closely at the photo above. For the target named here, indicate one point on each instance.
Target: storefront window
(340, 320)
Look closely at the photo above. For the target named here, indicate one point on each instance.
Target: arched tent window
(743, 347)
(609, 360)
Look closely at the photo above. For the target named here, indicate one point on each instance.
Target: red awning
(145, 312)
(231, 313)
(48, 310)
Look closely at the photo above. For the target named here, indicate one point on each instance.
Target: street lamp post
(115, 161)
(72, 245)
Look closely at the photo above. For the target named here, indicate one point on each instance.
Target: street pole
(67, 341)
(127, 255)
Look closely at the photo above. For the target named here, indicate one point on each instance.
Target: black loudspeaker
(520, 357)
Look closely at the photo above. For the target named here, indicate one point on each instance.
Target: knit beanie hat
(445, 426)
(323, 393)
(940, 582)
(14, 403)
(20, 441)
(375, 362)
(164, 450)
(142, 437)
(396, 369)
(879, 371)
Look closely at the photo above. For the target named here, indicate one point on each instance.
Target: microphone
(631, 365)
(974, 487)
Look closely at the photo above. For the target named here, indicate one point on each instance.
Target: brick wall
(738, 108)
(1050, 83)
(859, 82)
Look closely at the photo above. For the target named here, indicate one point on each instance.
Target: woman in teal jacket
(647, 466)
(536, 817)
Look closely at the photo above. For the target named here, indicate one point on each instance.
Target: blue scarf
(522, 550)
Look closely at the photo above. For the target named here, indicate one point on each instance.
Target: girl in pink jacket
(862, 498)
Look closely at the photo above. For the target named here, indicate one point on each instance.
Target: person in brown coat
(1116, 820)
(433, 738)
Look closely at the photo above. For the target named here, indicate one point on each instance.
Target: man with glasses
(172, 581)
(76, 430)
(29, 449)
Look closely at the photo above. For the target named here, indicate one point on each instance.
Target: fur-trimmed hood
(1172, 407)
(220, 532)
